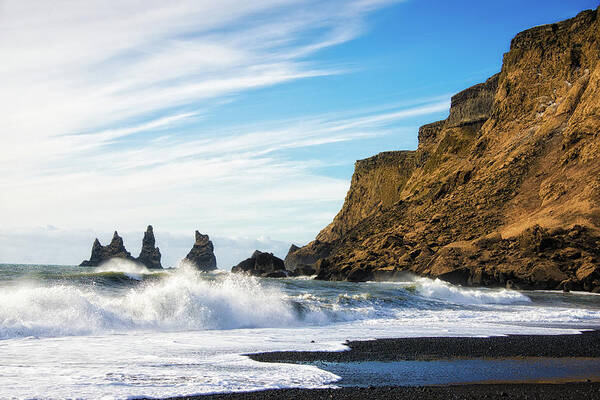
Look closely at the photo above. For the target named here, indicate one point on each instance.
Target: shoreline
(564, 391)
(585, 344)
(560, 349)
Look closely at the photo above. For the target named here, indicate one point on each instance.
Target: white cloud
(103, 104)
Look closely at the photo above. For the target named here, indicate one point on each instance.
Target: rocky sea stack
(202, 254)
(100, 253)
(262, 264)
(149, 256)
(504, 192)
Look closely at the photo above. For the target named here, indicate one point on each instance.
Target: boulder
(202, 254)
(262, 264)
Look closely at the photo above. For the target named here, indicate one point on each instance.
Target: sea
(123, 331)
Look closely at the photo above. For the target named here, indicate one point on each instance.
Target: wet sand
(588, 391)
(518, 347)
(586, 344)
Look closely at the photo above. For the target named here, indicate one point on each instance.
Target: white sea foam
(188, 300)
(126, 267)
(180, 301)
(183, 332)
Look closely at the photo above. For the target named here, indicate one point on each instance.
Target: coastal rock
(262, 264)
(149, 255)
(100, 253)
(504, 192)
(202, 255)
(302, 261)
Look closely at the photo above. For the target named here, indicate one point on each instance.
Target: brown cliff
(505, 191)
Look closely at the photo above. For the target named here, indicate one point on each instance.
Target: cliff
(504, 192)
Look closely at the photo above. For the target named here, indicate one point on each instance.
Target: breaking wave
(122, 297)
(181, 301)
(437, 289)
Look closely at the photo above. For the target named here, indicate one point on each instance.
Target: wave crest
(181, 301)
(440, 290)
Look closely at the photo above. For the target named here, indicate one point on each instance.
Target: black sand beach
(560, 348)
(510, 391)
(586, 344)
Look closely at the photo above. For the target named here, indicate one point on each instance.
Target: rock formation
(100, 253)
(505, 191)
(262, 264)
(149, 255)
(301, 261)
(202, 254)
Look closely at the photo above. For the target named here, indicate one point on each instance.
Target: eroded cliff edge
(506, 190)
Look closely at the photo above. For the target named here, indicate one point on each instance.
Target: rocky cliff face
(505, 191)
(202, 254)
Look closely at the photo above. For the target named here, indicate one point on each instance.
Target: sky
(239, 119)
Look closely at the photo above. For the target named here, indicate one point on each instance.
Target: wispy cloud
(239, 181)
(104, 102)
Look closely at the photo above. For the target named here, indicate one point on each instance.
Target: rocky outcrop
(376, 184)
(149, 255)
(505, 191)
(100, 253)
(202, 255)
(262, 264)
(474, 104)
(301, 261)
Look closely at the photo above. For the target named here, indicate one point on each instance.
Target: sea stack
(149, 255)
(262, 264)
(202, 255)
(100, 253)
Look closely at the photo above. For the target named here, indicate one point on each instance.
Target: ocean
(121, 331)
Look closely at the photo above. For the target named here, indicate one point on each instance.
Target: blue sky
(240, 119)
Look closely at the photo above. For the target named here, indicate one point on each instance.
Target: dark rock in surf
(262, 264)
(202, 255)
(100, 253)
(296, 264)
(302, 261)
(149, 255)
